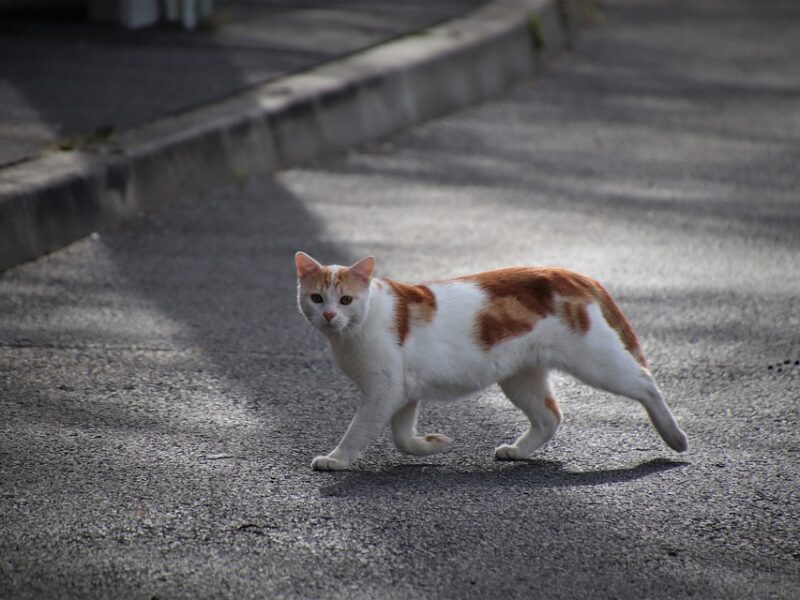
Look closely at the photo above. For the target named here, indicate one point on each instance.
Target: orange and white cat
(402, 344)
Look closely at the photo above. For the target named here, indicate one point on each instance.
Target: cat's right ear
(305, 265)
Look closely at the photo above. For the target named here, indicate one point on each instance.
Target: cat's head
(333, 298)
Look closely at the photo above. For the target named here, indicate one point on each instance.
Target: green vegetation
(537, 32)
(81, 141)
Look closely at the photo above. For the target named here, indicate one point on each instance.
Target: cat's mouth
(332, 326)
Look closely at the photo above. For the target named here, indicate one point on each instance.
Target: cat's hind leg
(404, 429)
(530, 392)
(601, 360)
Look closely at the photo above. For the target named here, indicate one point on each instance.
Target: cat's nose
(329, 314)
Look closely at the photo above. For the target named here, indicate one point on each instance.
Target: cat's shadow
(531, 473)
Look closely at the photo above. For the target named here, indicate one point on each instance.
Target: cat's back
(537, 284)
(463, 298)
(491, 307)
(518, 299)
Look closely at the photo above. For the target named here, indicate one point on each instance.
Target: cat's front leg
(404, 428)
(370, 419)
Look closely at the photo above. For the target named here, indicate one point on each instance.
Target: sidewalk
(100, 124)
(65, 78)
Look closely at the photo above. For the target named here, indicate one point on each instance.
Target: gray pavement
(162, 399)
(64, 81)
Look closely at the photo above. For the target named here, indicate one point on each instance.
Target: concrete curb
(52, 201)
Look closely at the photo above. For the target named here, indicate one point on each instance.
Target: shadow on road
(531, 473)
(220, 272)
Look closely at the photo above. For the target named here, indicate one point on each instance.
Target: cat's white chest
(351, 360)
(372, 362)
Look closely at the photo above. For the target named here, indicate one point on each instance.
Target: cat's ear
(363, 269)
(305, 265)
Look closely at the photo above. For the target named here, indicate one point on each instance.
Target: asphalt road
(162, 399)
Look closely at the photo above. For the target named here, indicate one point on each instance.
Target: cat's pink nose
(328, 314)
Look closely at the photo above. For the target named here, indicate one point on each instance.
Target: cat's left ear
(363, 269)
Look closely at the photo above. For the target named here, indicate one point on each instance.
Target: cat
(402, 344)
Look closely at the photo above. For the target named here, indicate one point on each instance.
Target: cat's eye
(346, 300)
(316, 298)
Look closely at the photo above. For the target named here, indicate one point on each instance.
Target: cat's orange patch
(519, 297)
(414, 305)
(347, 284)
(576, 315)
(551, 405)
(615, 317)
(319, 280)
(340, 279)
(504, 318)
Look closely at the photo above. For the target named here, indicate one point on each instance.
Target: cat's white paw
(425, 445)
(508, 452)
(678, 441)
(437, 440)
(326, 463)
